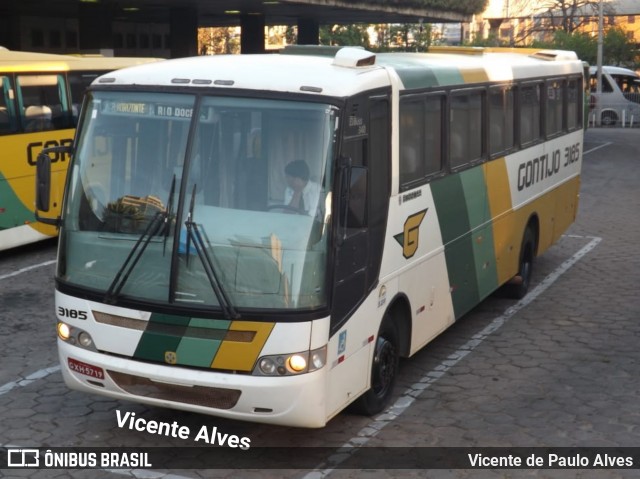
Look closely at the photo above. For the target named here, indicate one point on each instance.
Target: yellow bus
(261, 237)
(39, 104)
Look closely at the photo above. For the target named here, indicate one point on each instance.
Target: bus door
(364, 188)
(362, 206)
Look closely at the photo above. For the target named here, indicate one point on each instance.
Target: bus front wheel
(608, 118)
(384, 371)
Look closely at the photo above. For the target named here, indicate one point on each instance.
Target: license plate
(86, 369)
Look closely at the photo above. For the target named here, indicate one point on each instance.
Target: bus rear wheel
(384, 371)
(518, 287)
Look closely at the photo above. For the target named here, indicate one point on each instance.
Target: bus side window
(411, 144)
(501, 119)
(420, 138)
(43, 102)
(530, 96)
(466, 128)
(8, 121)
(574, 104)
(554, 106)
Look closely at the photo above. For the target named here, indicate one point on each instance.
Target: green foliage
(410, 37)
(413, 37)
(619, 49)
(583, 44)
(354, 35)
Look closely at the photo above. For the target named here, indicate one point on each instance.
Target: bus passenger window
(420, 138)
(501, 119)
(530, 113)
(43, 103)
(411, 149)
(554, 107)
(7, 114)
(465, 141)
(574, 105)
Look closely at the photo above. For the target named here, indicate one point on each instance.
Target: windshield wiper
(160, 219)
(132, 259)
(193, 233)
(169, 213)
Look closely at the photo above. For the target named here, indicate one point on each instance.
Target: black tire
(608, 118)
(384, 371)
(518, 289)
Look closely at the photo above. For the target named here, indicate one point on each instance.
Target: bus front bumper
(285, 400)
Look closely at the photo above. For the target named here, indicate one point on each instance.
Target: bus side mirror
(43, 183)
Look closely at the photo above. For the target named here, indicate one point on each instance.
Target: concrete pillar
(494, 27)
(252, 33)
(308, 31)
(184, 32)
(95, 28)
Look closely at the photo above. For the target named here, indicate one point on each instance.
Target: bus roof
(346, 71)
(17, 61)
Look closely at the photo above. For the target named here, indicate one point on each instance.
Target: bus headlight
(75, 336)
(85, 340)
(64, 331)
(267, 366)
(296, 363)
(291, 364)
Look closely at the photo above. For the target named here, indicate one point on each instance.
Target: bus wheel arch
(608, 117)
(391, 342)
(518, 286)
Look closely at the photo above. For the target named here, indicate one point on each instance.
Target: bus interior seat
(37, 118)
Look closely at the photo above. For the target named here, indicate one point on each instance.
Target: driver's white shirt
(310, 196)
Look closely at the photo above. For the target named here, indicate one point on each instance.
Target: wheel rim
(384, 371)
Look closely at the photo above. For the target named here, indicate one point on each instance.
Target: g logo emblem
(410, 237)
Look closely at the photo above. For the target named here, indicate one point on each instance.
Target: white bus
(261, 237)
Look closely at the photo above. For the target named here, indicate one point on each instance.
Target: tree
(569, 15)
(411, 37)
(618, 49)
(583, 44)
(214, 40)
(533, 19)
(345, 35)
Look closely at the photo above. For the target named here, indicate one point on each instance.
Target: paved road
(557, 370)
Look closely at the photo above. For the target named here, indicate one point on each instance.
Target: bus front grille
(218, 398)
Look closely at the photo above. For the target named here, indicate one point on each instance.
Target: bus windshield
(177, 199)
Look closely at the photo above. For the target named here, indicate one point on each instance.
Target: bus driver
(301, 194)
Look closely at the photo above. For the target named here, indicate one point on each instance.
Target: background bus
(39, 103)
(187, 277)
(619, 101)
